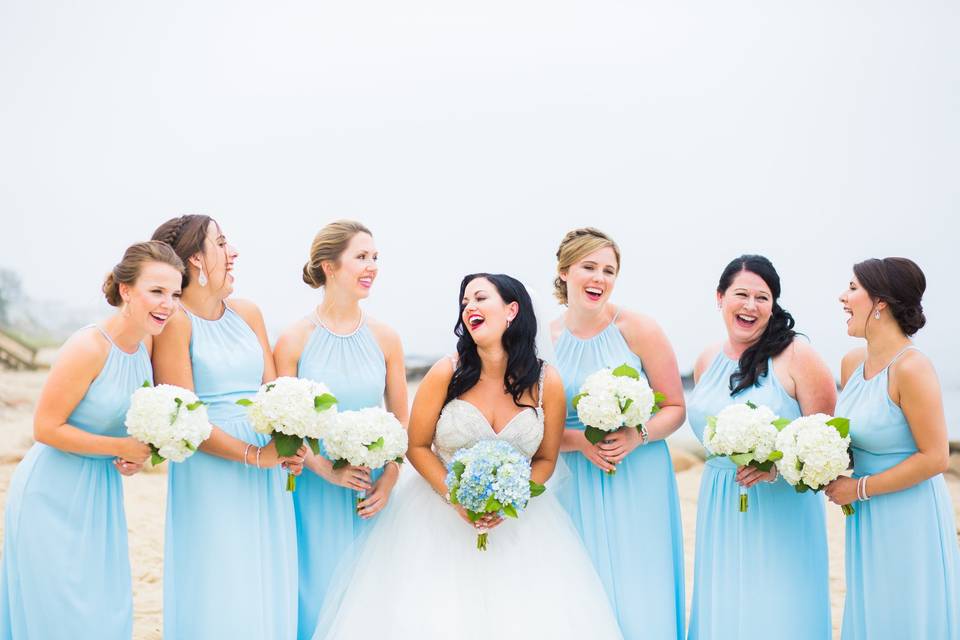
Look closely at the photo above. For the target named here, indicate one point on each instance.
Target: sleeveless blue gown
(230, 565)
(902, 560)
(764, 571)
(629, 522)
(65, 571)
(353, 367)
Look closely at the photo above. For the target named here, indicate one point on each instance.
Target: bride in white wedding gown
(418, 573)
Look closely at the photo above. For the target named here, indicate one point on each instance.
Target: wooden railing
(16, 355)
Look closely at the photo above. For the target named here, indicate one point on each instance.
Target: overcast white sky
(471, 136)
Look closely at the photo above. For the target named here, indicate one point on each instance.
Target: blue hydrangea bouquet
(490, 477)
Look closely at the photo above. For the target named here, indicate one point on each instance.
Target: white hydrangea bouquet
(171, 419)
(292, 410)
(816, 451)
(745, 433)
(491, 476)
(368, 438)
(611, 399)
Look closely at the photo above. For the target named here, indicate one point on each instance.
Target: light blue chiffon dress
(765, 571)
(630, 521)
(353, 367)
(230, 563)
(902, 560)
(65, 571)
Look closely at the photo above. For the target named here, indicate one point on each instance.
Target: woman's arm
(427, 405)
(816, 391)
(554, 416)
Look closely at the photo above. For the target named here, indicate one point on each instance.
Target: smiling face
(217, 260)
(746, 305)
(153, 297)
(858, 306)
(590, 280)
(357, 266)
(484, 313)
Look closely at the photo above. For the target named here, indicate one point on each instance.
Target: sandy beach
(145, 496)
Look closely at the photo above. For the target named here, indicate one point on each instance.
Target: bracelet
(865, 496)
(396, 463)
(776, 474)
(245, 452)
(644, 434)
(859, 485)
(258, 456)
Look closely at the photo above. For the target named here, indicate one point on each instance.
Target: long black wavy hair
(776, 337)
(519, 341)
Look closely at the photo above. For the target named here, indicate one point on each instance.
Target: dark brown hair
(900, 283)
(128, 269)
(186, 235)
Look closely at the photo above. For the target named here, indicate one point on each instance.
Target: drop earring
(202, 278)
(876, 314)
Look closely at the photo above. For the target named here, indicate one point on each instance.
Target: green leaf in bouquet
(801, 488)
(762, 466)
(780, 423)
(712, 421)
(741, 459)
(798, 465)
(536, 489)
(194, 405)
(340, 463)
(271, 386)
(458, 469)
(493, 505)
(842, 425)
(376, 445)
(453, 494)
(324, 402)
(626, 405)
(189, 445)
(775, 455)
(244, 402)
(626, 371)
(751, 405)
(314, 444)
(510, 511)
(178, 402)
(594, 435)
(287, 445)
(576, 399)
(398, 459)
(146, 384)
(473, 515)
(156, 458)
(658, 400)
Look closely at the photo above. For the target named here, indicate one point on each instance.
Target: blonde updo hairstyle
(128, 269)
(575, 246)
(328, 245)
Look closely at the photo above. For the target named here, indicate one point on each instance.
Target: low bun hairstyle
(779, 333)
(128, 269)
(519, 341)
(575, 246)
(900, 283)
(328, 245)
(187, 235)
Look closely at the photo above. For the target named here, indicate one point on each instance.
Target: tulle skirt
(418, 574)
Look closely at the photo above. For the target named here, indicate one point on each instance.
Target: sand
(145, 498)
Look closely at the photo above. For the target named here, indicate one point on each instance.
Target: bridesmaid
(230, 566)
(902, 560)
(629, 522)
(65, 571)
(763, 571)
(361, 360)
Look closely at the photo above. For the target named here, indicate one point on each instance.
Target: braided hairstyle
(575, 246)
(186, 235)
(519, 341)
(779, 333)
(900, 283)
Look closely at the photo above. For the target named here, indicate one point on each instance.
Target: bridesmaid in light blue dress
(65, 571)
(630, 521)
(902, 559)
(765, 571)
(230, 543)
(360, 360)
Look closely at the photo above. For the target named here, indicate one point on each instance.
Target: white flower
(814, 452)
(369, 437)
(742, 429)
(608, 402)
(287, 406)
(171, 419)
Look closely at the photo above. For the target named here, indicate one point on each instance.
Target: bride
(418, 574)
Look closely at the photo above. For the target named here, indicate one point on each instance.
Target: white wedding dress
(418, 573)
